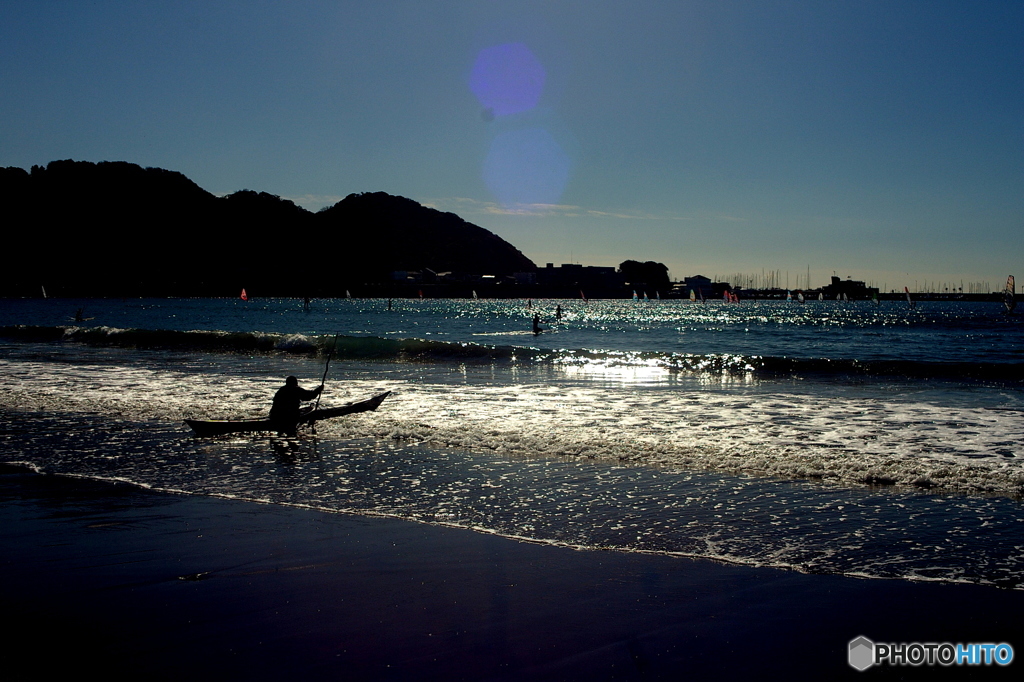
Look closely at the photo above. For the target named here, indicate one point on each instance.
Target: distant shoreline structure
(446, 292)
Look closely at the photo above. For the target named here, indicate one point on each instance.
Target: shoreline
(465, 293)
(114, 578)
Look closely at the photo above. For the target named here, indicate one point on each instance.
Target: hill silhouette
(117, 229)
(389, 231)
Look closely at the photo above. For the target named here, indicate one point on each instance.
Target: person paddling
(285, 413)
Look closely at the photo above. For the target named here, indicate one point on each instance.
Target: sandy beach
(128, 583)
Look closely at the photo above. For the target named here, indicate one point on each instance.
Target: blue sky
(878, 140)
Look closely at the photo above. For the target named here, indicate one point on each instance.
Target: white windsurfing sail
(1010, 294)
(693, 296)
(821, 296)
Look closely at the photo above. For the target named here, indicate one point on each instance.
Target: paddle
(323, 379)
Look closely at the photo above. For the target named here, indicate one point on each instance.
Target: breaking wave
(420, 350)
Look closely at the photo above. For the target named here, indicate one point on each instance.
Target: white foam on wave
(851, 438)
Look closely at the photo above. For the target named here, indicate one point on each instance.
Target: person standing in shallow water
(285, 413)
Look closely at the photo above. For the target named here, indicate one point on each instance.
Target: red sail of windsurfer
(245, 296)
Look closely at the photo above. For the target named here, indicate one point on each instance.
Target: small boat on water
(1010, 294)
(219, 427)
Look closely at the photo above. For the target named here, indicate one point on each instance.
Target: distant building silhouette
(699, 285)
(854, 290)
(572, 275)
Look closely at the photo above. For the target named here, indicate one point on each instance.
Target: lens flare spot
(507, 79)
(526, 167)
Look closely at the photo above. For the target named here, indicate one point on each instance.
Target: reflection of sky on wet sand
(570, 501)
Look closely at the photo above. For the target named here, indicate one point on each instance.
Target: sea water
(849, 438)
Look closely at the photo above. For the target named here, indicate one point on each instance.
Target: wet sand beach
(129, 583)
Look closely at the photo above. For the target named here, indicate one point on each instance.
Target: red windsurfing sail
(245, 296)
(910, 301)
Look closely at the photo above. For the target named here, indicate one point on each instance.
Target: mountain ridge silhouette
(115, 228)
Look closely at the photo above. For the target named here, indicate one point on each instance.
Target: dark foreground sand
(110, 580)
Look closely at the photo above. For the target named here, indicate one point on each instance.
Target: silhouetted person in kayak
(285, 413)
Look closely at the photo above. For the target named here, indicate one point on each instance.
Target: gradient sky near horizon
(882, 140)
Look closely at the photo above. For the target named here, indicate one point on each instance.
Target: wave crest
(420, 350)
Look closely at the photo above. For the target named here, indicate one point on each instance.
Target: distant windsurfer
(285, 413)
(536, 325)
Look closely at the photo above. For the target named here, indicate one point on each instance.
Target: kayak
(218, 427)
